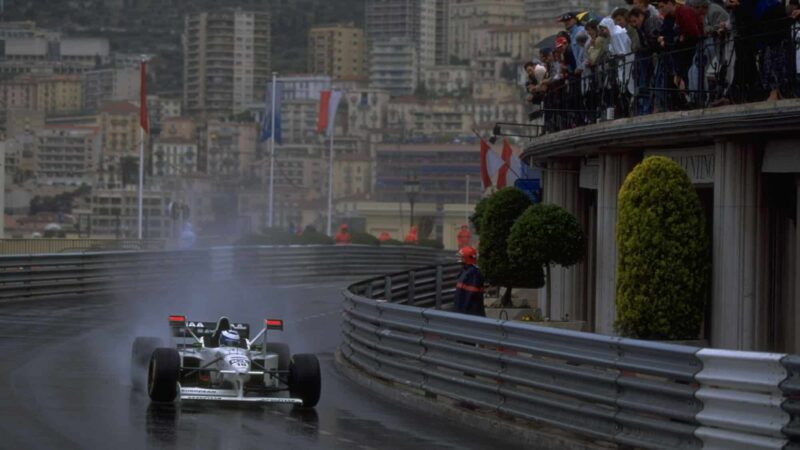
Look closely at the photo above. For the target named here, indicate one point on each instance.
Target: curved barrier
(625, 391)
(36, 276)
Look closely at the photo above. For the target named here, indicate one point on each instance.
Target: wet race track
(65, 380)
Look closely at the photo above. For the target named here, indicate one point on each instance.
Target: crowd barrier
(617, 390)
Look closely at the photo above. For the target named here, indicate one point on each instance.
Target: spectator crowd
(666, 55)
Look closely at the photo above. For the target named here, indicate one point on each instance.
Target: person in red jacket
(469, 288)
(690, 32)
(384, 236)
(411, 237)
(464, 237)
(343, 236)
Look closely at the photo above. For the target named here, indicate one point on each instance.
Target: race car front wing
(230, 395)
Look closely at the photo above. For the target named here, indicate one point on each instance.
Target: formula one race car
(218, 361)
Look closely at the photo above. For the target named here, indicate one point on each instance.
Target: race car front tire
(162, 375)
(141, 351)
(304, 379)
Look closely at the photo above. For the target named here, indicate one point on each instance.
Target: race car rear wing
(180, 327)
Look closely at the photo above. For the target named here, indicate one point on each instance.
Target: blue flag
(266, 118)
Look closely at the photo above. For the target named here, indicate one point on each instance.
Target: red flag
(322, 117)
(502, 174)
(487, 180)
(143, 99)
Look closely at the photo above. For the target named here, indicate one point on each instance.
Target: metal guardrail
(629, 392)
(58, 245)
(35, 276)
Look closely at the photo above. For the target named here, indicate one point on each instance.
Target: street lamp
(411, 187)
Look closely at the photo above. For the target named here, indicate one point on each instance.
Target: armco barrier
(35, 276)
(629, 392)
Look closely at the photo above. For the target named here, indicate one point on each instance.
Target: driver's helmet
(229, 338)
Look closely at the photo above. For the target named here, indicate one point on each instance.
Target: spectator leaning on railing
(647, 27)
(689, 31)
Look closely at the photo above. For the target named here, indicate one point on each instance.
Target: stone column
(735, 289)
(561, 187)
(611, 174)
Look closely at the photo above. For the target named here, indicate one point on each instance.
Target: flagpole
(330, 183)
(272, 152)
(141, 177)
(466, 204)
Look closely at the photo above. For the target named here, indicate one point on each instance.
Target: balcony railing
(732, 68)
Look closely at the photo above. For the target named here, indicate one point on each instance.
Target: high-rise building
(442, 32)
(413, 20)
(467, 15)
(338, 51)
(547, 11)
(394, 66)
(226, 60)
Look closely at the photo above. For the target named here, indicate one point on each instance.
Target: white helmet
(229, 338)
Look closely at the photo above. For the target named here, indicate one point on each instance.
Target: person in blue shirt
(469, 288)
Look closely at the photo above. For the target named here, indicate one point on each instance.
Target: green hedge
(476, 217)
(363, 238)
(664, 254)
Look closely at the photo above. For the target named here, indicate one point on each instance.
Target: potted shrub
(663, 269)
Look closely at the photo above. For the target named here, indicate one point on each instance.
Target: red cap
(468, 255)
(561, 41)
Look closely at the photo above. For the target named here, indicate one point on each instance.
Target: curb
(542, 437)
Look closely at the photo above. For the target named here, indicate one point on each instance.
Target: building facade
(66, 156)
(447, 80)
(227, 61)
(110, 85)
(411, 20)
(339, 51)
(468, 15)
(115, 213)
(43, 51)
(52, 94)
(394, 66)
(175, 157)
(548, 11)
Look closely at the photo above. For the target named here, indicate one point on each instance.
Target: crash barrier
(629, 392)
(57, 245)
(35, 276)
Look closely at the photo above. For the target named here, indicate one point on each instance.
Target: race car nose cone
(238, 363)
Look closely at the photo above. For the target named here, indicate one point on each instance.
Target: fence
(36, 276)
(739, 66)
(49, 246)
(623, 391)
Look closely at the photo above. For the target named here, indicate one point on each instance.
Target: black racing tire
(141, 351)
(284, 356)
(305, 381)
(162, 375)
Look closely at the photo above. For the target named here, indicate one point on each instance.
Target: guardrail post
(387, 288)
(411, 294)
(368, 290)
(439, 286)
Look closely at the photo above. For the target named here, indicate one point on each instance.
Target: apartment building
(394, 66)
(66, 155)
(412, 20)
(227, 61)
(110, 85)
(52, 94)
(339, 51)
(468, 15)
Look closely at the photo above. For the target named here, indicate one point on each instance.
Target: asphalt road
(65, 380)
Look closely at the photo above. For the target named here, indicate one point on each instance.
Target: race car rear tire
(284, 356)
(162, 375)
(304, 379)
(141, 351)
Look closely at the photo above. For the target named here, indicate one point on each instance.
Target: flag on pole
(502, 174)
(491, 164)
(266, 117)
(328, 104)
(143, 98)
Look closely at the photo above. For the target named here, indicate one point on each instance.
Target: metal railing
(624, 391)
(738, 66)
(58, 245)
(36, 276)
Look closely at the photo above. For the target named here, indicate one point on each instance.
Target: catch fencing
(617, 390)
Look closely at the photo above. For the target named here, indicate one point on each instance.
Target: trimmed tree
(545, 235)
(477, 216)
(499, 214)
(664, 254)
